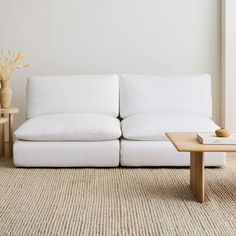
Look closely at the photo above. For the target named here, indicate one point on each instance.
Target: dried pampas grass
(9, 62)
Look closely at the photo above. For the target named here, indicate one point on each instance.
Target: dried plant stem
(9, 63)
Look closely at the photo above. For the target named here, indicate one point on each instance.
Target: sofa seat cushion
(153, 126)
(69, 127)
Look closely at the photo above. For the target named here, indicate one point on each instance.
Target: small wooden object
(223, 133)
(9, 112)
(187, 142)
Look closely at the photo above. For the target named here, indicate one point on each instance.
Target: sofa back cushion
(148, 94)
(67, 94)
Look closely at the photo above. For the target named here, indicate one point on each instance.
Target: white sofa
(72, 121)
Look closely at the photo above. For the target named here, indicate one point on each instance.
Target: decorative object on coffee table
(9, 112)
(9, 62)
(213, 139)
(223, 133)
(187, 142)
(2, 143)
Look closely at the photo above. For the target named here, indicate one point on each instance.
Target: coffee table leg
(197, 175)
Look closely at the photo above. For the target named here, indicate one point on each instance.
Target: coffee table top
(186, 142)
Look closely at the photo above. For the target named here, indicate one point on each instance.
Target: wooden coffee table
(186, 142)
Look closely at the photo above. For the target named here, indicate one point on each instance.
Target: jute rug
(115, 202)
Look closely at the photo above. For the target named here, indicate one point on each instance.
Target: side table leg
(10, 135)
(1, 143)
(197, 175)
(3, 139)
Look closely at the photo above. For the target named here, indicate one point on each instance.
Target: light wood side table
(2, 143)
(9, 113)
(187, 142)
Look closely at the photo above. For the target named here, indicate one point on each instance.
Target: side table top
(3, 120)
(10, 110)
(187, 142)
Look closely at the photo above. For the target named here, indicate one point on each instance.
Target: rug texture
(119, 201)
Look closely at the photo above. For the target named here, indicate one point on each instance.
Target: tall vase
(5, 94)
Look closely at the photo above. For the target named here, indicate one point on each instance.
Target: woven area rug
(119, 201)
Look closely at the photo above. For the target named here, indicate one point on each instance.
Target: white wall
(104, 36)
(229, 64)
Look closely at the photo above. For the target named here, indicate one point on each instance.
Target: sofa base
(105, 154)
(161, 153)
(66, 154)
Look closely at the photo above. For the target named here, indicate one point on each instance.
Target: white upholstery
(176, 94)
(72, 120)
(161, 153)
(69, 94)
(71, 126)
(152, 126)
(66, 154)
